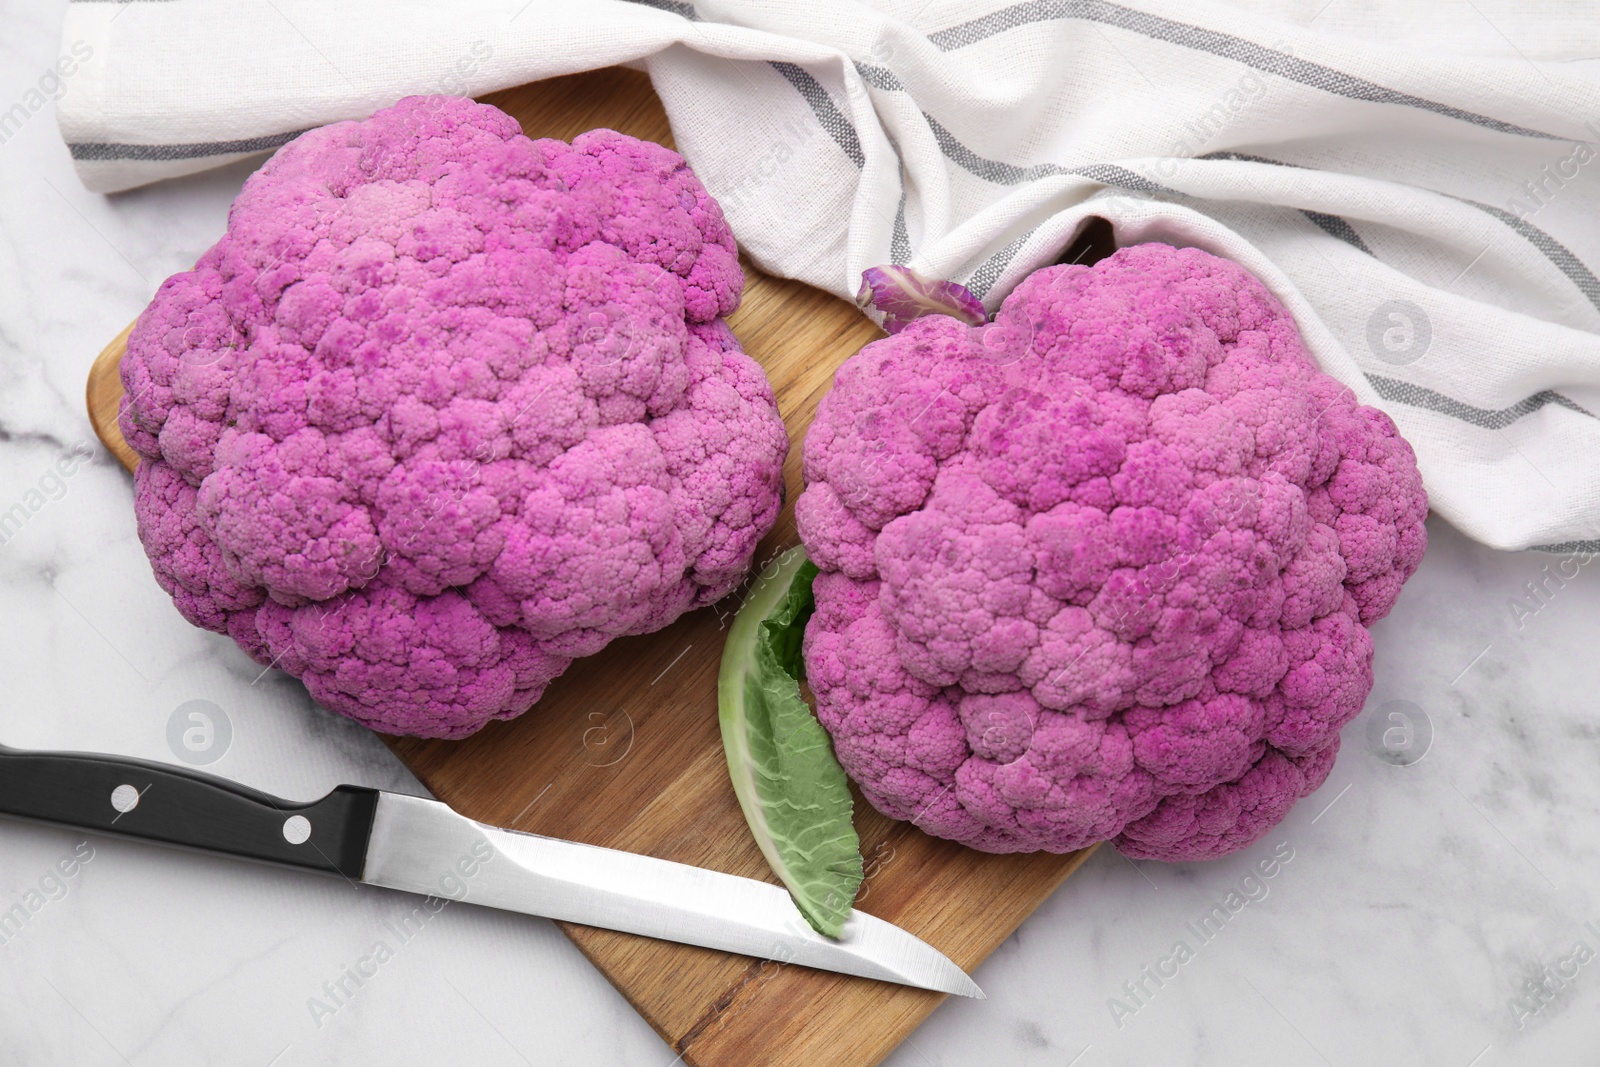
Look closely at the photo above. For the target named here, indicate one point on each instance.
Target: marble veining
(1442, 910)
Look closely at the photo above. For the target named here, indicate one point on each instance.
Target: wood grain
(624, 749)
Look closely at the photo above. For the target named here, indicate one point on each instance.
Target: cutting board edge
(102, 393)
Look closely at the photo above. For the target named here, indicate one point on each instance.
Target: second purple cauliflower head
(447, 408)
(1104, 568)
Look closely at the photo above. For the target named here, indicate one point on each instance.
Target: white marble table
(1418, 903)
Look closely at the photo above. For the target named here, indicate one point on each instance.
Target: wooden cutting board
(624, 749)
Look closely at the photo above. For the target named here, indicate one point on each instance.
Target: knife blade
(416, 845)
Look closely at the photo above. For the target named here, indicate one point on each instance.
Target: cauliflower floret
(1104, 568)
(447, 407)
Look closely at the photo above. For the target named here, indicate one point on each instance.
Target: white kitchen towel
(1417, 182)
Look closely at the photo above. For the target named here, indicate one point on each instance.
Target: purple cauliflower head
(1103, 568)
(446, 408)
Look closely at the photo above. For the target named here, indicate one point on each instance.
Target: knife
(418, 845)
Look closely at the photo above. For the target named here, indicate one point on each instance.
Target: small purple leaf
(902, 295)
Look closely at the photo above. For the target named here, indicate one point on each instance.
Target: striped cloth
(1417, 182)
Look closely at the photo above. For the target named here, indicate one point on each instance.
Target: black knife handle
(172, 806)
